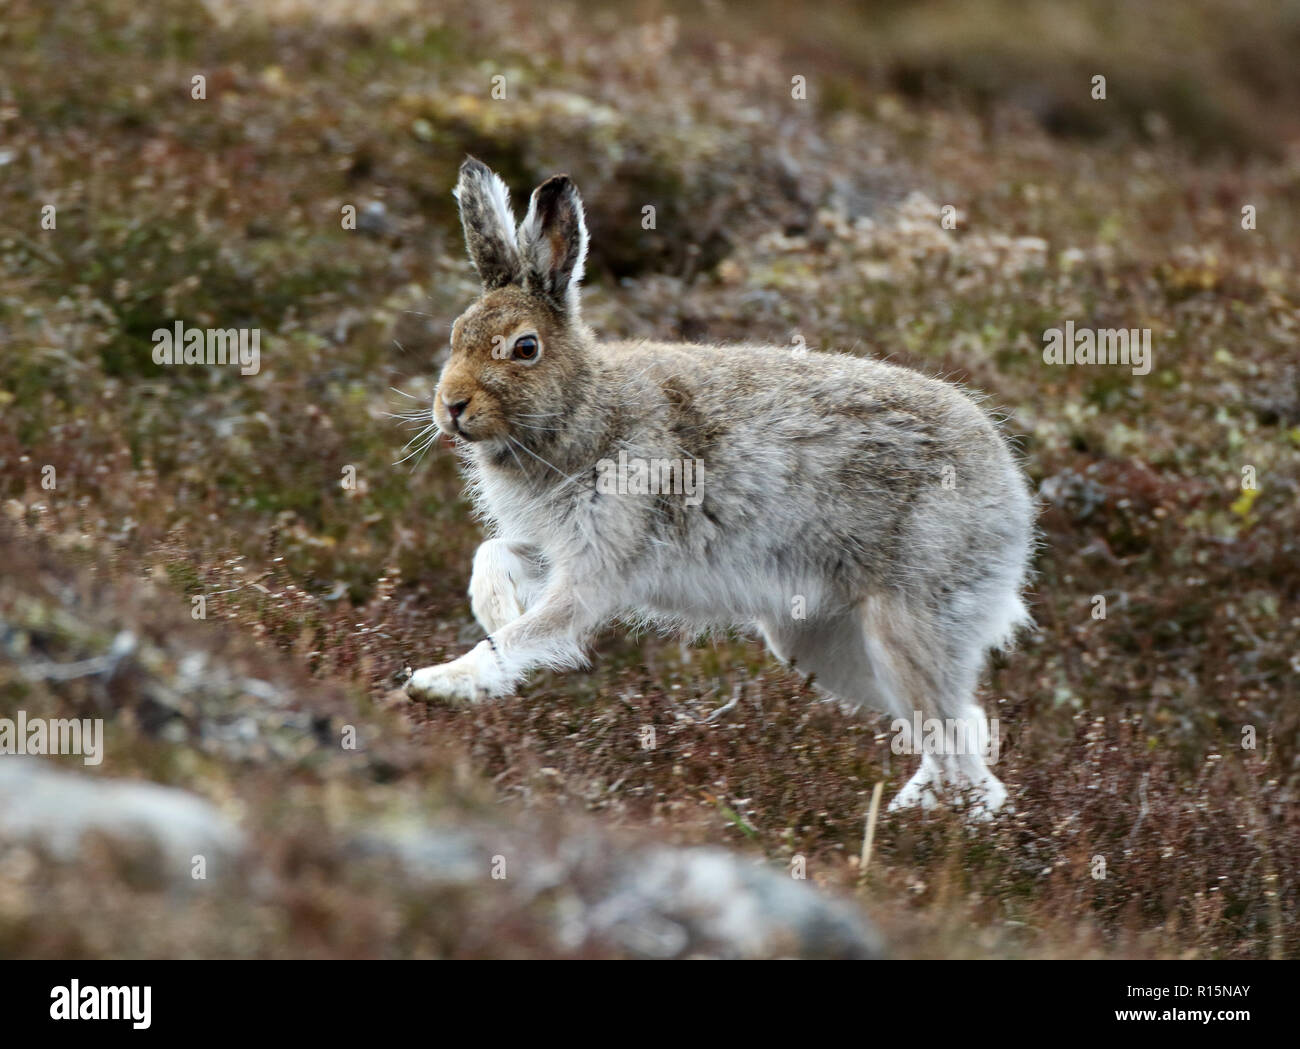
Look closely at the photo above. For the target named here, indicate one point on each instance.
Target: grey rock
(44, 806)
(656, 901)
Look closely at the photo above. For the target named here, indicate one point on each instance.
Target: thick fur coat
(871, 522)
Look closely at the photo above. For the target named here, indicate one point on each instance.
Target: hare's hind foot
(980, 793)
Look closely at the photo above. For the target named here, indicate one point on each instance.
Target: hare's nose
(455, 408)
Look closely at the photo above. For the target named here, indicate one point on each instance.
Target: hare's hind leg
(833, 651)
(933, 668)
(507, 577)
(877, 657)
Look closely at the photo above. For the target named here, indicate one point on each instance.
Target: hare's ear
(489, 224)
(553, 243)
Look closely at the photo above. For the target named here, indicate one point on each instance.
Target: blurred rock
(657, 901)
(44, 806)
(670, 902)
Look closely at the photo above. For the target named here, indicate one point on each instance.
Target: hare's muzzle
(451, 412)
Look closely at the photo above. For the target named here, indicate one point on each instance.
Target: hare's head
(519, 355)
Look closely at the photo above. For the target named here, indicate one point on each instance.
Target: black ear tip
(473, 166)
(555, 187)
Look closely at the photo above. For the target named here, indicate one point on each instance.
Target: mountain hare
(871, 522)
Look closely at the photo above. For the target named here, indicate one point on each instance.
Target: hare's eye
(526, 348)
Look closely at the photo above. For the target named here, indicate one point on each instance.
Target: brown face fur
(526, 400)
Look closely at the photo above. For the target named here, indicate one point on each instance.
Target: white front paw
(446, 682)
(494, 601)
(473, 677)
(501, 585)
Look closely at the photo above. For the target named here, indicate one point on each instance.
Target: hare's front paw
(493, 605)
(505, 581)
(493, 598)
(447, 682)
(465, 680)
